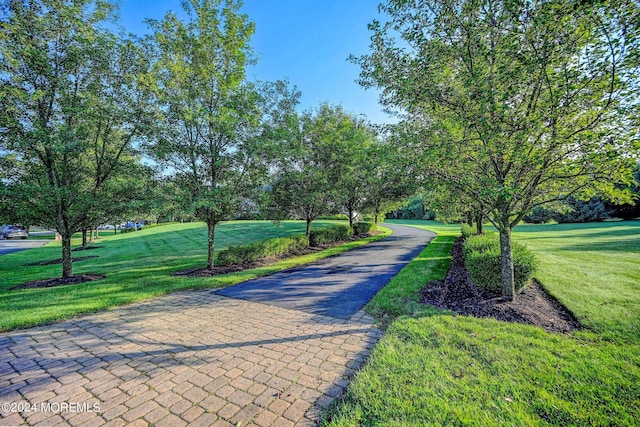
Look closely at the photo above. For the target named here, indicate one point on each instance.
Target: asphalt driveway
(340, 285)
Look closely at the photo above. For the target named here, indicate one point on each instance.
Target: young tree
(513, 103)
(392, 177)
(212, 116)
(71, 105)
(304, 170)
(352, 140)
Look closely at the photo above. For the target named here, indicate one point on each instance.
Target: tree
(351, 141)
(391, 177)
(72, 103)
(307, 167)
(212, 116)
(516, 104)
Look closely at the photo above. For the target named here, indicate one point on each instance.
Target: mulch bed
(59, 261)
(59, 281)
(533, 306)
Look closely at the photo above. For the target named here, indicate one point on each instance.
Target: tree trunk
(211, 231)
(350, 218)
(375, 217)
(506, 259)
(479, 218)
(84, 237)
(67, 267)
(308, 232)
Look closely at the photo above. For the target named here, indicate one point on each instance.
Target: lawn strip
(401, 295)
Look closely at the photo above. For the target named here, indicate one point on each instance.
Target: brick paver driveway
(190, 358)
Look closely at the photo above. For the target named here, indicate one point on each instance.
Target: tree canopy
(72, 101)
(513, 103)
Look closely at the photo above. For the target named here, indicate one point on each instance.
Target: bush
(468, 230)
(243, 254)
(593, 210)
(336, 217)
(364, 228)
(482, 259)
(571, 211)
(336, 233)
(539, 215)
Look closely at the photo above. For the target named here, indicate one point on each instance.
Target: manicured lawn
(439, 369)
(594, 270)
(138, 266)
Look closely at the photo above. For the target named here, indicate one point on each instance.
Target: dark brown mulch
(205, 272)
(85, 248)
(59, 261)
(59, 281)
(533, 306)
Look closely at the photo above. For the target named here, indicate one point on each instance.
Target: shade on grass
(594, 270)
(138, 266)
(456, 370)
(441, 369)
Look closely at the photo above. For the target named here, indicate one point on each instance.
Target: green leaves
(72, 107)
(510, 105)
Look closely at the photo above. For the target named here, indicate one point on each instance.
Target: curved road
(340, 285)
(276, 354)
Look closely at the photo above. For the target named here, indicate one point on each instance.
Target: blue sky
(306, 41)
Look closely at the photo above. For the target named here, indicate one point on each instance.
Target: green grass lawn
(435, 368)
(138, 266)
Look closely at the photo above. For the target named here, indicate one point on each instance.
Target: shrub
(243, 254)
(364, 228)
(539, 215)
(336, 217)
(482, 259)
(332, 234)
(593, 210)
(468, 230)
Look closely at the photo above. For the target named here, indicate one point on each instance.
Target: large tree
(212, 116)
(513, 103)
(71, 105)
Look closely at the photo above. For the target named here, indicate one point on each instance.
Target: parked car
(131, 224)
(14, 232)
(106, 227)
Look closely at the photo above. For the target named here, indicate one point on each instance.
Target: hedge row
(364, 228)
(336, 233)
(467, 230)
(482, 258)
(243, 254)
